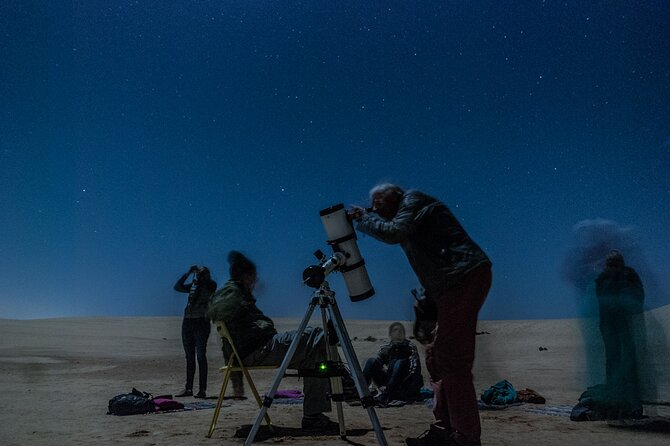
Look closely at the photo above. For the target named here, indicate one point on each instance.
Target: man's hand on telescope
(356, 212)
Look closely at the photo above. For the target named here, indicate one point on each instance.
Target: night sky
(140, 137)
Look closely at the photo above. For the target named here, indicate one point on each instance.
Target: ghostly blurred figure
(620, 303)
(585, 267)
(592, 240)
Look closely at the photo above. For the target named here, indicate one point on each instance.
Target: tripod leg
(337, 392)
(280, 374)
(356, 372)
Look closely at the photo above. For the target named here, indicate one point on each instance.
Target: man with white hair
(456, 274)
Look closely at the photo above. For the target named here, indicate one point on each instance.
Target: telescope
(346, 257)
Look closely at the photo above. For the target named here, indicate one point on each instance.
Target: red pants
(450, 357)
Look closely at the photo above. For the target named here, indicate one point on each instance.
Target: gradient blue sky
(140, 137)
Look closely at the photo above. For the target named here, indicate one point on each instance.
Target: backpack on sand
(133, 403)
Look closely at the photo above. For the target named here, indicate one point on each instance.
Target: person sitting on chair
(397, 368)
(258, 342)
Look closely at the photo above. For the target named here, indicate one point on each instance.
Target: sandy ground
(57, 376)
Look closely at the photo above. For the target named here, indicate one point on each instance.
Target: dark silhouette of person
(620, 300)
(195, 327)
(456, 274)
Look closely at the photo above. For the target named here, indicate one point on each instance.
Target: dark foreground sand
(57, 376)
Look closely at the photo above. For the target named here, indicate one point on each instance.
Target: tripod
(325, 298)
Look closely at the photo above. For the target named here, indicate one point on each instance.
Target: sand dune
(58, 375)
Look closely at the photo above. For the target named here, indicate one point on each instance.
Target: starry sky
(140, 137)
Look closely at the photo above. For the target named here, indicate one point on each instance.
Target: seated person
(258, 342)
(396, 369)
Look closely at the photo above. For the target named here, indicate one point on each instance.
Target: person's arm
(259, 319)
(636, 284)
(181, 286)
(635, 290)
(383, 355)
(414, 360)
(396, 230)
(211, 286)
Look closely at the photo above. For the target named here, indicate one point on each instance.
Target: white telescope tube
(342, 238)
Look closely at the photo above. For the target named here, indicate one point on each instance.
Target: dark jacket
(439, 250)
(199, 293)
(405, 349)
(620, 291)
(248, 326)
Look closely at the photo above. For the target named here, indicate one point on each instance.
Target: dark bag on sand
(133, 403)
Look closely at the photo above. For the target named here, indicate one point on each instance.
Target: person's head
(242, 270)
(203, 273)
(397, 332)
(614, 260)
(386, 200)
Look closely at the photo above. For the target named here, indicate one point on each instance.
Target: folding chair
(234, 364)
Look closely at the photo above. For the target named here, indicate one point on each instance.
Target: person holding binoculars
(195, 327)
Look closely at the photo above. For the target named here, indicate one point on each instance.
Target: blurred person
(195, 327)
(396, 368)
(258, 342)
(620, 296)
(456, 274)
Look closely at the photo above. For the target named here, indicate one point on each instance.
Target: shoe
(382, 400)
(185, 392)
(319, 424)
(435, 436)
(200, 394)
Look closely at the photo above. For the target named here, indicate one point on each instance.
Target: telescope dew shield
(342, 237)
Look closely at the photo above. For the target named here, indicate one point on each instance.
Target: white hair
(385, 188)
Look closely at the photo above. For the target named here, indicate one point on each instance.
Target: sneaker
(319, 424)
(381, 400)
(200, 394)
(435, 436)
(185, 392)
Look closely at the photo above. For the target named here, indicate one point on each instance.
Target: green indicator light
(323, 366)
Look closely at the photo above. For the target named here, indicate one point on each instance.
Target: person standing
(456, 274)
(620, 299)
(195, 327)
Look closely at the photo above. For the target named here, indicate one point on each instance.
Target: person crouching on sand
(397, 368)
